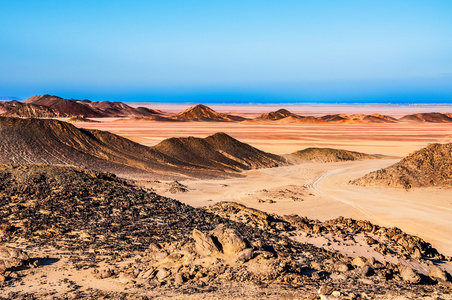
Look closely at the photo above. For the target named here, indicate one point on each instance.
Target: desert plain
(173, 201)
(425, 212)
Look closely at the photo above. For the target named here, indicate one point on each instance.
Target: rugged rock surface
(151, 245)
(326, 155)
(428, 167)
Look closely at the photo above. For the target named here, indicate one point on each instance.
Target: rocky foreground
(76, 233)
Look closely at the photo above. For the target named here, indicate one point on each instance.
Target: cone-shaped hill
(218, 151)
(326, 155)
(204, 113)
(278, 115)
(428, 167)
(428, 117)
(54, 142)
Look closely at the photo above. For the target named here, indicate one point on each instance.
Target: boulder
(342, 267)
(245, 255)
(408, 274)
(437, 274)
(229, 239)
(359, 261)
(204, 243)
(11, 258)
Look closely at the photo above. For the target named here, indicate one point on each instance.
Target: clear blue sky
(220, 51)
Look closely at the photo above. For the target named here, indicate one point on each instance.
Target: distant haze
(228, 51)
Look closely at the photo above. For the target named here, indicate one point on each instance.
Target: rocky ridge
(428, 167)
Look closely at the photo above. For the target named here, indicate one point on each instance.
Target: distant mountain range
(48, 141)
(47, 106)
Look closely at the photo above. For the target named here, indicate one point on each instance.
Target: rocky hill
(64, 107)
(85, 234)
(278, 115)
(54, 142)
(204, 113)
(326, 155)
(219, 151)
(359, 118)
(428, 117)
(428, 167)
(44, 106)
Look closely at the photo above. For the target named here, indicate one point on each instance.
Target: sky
(287, 51)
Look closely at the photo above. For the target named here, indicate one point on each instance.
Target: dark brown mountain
(333, 118)
(378, 118)
(71, 108)
(54, 142)
(204, 113)
(119, 109)
(65, 107)
(326, 155)
(219, 151)
(428, 167)
(428, 118)
(278, 115)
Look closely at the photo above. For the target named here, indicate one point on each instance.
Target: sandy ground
(321, 191)
(315, 190)
(390, 139)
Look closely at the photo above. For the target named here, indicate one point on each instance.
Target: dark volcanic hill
(278, 115)
(218, 151)
(326, 155)
(204, 113)
(428, 117)
(72, 108)
(54, 142)
(428, 167)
